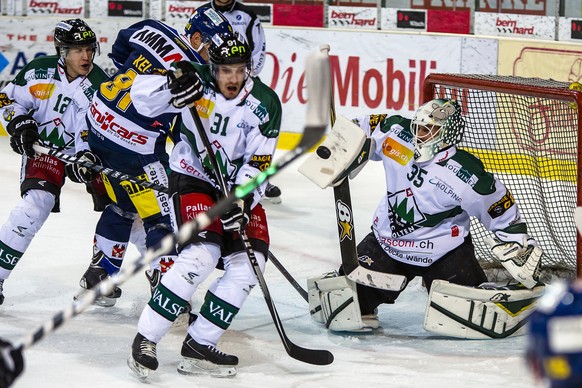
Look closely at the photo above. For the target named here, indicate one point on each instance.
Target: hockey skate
(205, 360)
(94, 275)
(273, 193)
(1, 291)
(142, 360)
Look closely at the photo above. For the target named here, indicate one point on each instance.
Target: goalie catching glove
(81, 174)
(519, 254)
(185, 85)
(23, 131)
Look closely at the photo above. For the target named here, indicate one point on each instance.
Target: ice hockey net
(525, 131)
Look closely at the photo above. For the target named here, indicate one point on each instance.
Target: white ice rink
(91, 349)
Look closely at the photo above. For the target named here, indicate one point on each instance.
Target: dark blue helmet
(554, 350)
(207, 22)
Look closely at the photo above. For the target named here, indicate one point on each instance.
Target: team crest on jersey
(55, 132)
(403, 213)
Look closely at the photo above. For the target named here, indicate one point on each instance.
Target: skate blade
(140, 371)
(194, 367)
(101, 301)
(273, 200)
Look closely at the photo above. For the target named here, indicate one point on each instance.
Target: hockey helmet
(207, 22)
(554, 347)
(229, 49)
(74, 33)
(436, 125)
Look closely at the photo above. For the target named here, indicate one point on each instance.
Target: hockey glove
(11, 363)
(185, 85)
(81, 174)
(23, 131)
(238, 216)
(521, 259)
(96, 188)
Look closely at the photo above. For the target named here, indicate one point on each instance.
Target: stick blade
(310, 356)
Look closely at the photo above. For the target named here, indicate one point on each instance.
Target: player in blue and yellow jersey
(135, 144)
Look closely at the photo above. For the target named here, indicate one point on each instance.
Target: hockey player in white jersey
(134, 144)
(244, 21)
(47, 102)
(422, 226)
(241, 117)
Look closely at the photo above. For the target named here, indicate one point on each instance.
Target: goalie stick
(99, 168)
(317, 76)
(313, 132)
(345, 222)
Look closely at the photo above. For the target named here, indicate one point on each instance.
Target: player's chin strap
(522, 260)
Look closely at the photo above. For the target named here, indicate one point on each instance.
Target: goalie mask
(74, 33)
(554, 349)
(436, 125)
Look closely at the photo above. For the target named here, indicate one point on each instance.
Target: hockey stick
(288, 276)
(317, 75)
(313, 132)
(99, 168)
(345, 222)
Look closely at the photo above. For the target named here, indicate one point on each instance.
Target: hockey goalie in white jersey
(422, 228)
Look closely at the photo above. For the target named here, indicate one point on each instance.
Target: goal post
(525, 131)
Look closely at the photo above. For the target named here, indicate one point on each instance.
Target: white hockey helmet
(436, 125)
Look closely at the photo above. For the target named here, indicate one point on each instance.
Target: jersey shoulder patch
(470, 169)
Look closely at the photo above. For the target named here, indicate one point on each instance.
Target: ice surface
(91, 349)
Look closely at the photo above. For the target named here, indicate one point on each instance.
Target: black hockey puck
(323, 152)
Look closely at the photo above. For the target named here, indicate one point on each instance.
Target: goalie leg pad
(333, 300)
(485, 312)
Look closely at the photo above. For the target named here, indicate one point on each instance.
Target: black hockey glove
(11, 363)
(238, 216)
(80, 174)
(23, 131)
(185, 85)
(98, 193)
